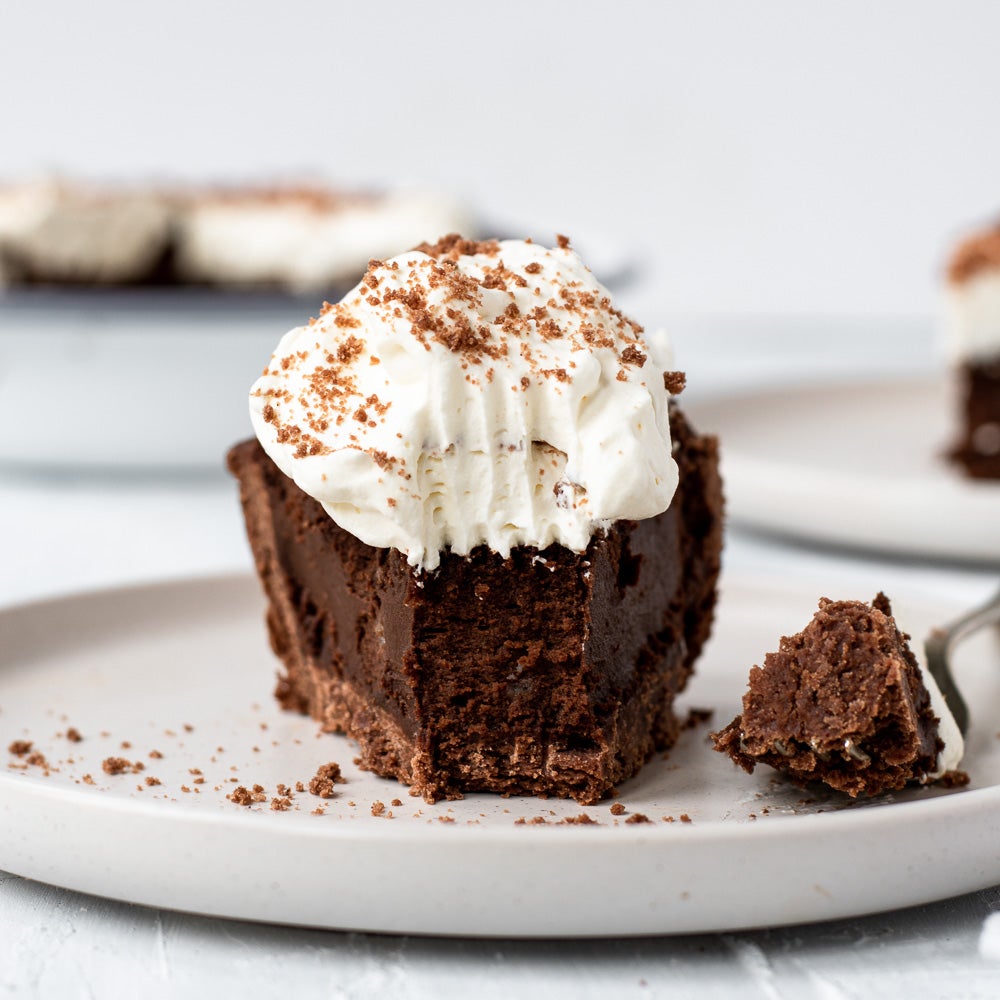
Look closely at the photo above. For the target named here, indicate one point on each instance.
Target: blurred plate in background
(856, 463)
(134, 378)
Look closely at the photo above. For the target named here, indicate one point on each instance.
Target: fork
(940, 645)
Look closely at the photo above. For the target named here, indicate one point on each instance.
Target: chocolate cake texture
(842, 702)
(548, 672)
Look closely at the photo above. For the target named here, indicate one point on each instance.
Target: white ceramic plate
(138, 665)
(857, 464)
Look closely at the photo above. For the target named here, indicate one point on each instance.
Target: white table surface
(64, 532)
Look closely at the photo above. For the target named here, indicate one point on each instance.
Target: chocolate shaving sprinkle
(674, 382)
(638, 818)
(119, 765)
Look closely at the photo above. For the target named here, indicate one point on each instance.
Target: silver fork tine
(940, 645)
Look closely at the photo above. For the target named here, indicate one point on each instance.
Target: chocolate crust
(842, 703)
(548, 673)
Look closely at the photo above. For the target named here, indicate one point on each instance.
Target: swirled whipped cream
(472, 393)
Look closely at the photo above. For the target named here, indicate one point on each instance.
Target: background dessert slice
(72, 234)
(284, 237)
(489, 539)
(973, 342)
(844, 702)
(301, 239)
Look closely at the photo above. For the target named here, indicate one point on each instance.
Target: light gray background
(779, 157)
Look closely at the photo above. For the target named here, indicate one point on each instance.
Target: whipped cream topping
(972, 317)
(304, 240)
(468, 394)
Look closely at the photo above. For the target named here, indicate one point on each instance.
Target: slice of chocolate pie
(488, 537)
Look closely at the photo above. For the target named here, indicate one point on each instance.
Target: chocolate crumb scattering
(685, 818)
(20, 747)
(446, 819)
(150, 780)
(617, 809)
(396, 803)
(378, 808)
(119, 765)
(638, 818)
(87, 779)
(582, 820)
(155, 754)
(322, 782)
(299, 787)
(244, 796)
(37, 759)
(281, 803)
(73, 735)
